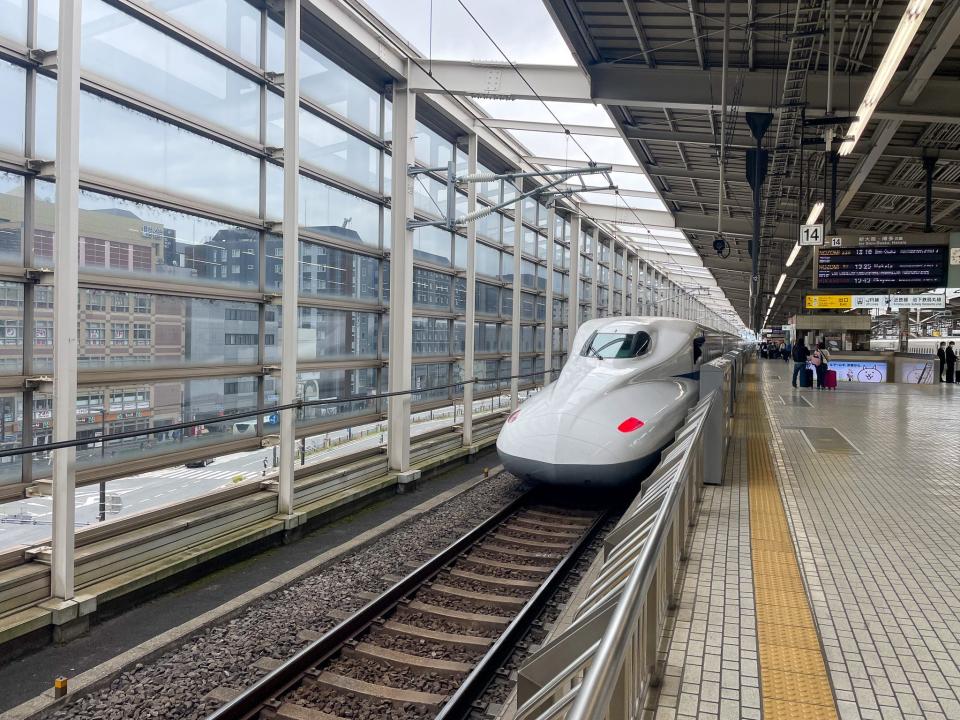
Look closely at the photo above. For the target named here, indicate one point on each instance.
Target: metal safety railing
(298, 404)
(605, 662)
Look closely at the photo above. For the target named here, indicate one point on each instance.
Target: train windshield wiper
(596, 351)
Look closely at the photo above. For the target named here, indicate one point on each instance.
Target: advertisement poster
(834, 343)
(859, 372)
(916, 373)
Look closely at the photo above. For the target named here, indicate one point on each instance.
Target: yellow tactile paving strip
(793, 676)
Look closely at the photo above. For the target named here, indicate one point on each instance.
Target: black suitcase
(806, 378)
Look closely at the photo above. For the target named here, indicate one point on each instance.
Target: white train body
(604, 421)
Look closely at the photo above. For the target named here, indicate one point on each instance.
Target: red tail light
(629, 425)
(513, 416)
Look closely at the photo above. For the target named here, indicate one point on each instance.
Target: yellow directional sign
(829, 302)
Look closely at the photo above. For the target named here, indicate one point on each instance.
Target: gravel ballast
(174, 684)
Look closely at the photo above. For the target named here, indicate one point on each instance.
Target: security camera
(721, 247)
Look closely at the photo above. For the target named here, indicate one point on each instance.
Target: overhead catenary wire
(514, 67)
(567, 132)
(482, 121)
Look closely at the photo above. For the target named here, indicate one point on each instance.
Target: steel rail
(461, 703)
(252, 700)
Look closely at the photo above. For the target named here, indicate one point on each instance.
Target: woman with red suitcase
(819, 360)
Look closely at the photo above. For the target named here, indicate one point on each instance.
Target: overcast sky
(523, 29)
(525, 32)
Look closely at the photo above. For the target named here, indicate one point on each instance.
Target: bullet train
(623, 393)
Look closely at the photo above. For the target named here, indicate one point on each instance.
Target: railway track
(430, 644)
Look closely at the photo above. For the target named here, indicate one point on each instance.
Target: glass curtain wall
(179, 270)
(180, 266)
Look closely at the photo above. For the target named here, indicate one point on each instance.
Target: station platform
(823, 579)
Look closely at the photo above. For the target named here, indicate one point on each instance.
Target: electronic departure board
(904, 266)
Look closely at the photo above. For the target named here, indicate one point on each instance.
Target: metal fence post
(470, 313)
(401, 278)
(66, 298)
(291, 269)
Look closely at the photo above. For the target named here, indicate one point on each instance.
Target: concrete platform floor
(869, 478)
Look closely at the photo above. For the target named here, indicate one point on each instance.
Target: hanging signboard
(870, 302)
(811, 234)
(918, 266)
(829, 302)
(928, 301)
(873, 240)
(917, 260)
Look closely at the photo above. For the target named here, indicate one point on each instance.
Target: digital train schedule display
(905, 266)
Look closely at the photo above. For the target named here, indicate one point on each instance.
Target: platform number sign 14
(811, 234)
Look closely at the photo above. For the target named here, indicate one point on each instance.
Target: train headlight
(629, 425)
(513, 416)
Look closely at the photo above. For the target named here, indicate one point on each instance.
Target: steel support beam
(676, 88)
(628, 216)
(623, 192)
(573, 297)
(548, 300)
(683, 221)
(551, 127)
(291, 228)
(515, 315)
(66, 299)
(469, 339)
(594, 234)
(636, 24)
(401, 278)
(623, 284)
(682, 89)
(497, 79)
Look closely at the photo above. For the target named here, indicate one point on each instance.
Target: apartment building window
(141, 334)
(95, 333)
(120, 333)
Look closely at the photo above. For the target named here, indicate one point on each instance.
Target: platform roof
(655, 66)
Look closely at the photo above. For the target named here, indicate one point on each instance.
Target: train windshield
(606, 345)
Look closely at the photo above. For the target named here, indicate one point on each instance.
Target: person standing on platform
(951, 357)
(942, 358)
(785, 351)
(800, 354)
(819, 360)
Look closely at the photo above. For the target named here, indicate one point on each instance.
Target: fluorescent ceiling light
(793, 254)
(814, 213)
(783, 277)
(899, 44)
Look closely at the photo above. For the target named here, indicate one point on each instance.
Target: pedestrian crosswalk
(197, 474)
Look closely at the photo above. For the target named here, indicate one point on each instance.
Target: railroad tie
(345, 684)
(474, 641)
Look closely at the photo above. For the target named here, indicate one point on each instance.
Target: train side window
(698, 349)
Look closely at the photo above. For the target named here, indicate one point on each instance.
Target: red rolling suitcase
(830, 379)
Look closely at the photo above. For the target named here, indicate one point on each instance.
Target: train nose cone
(545, 444)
